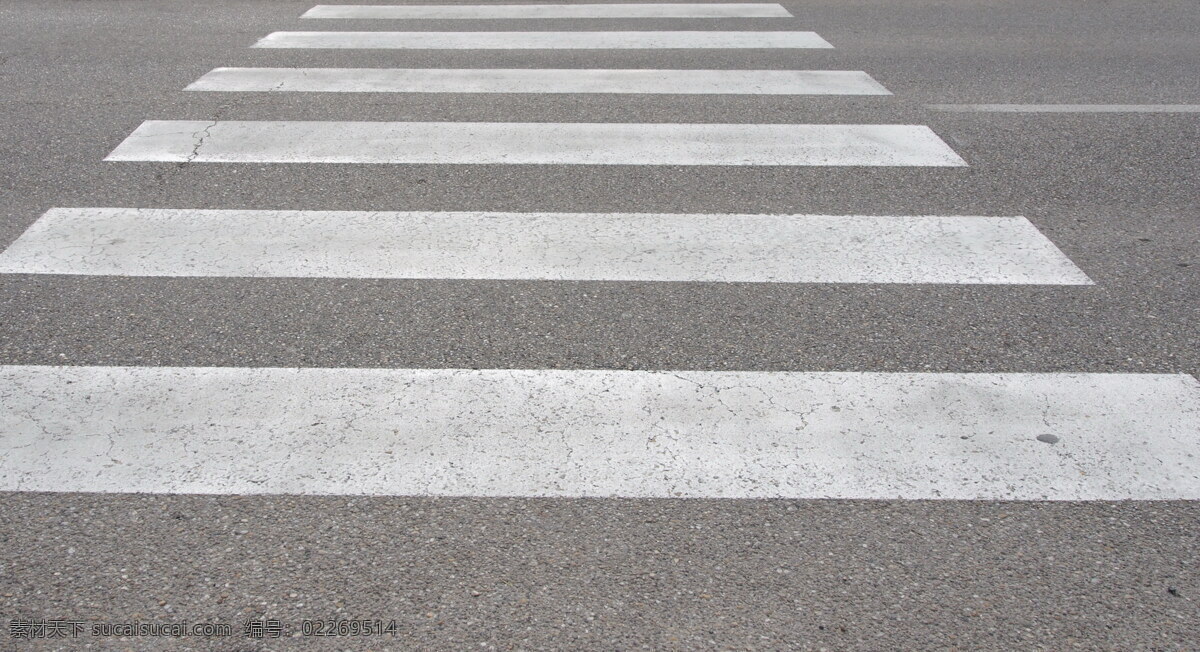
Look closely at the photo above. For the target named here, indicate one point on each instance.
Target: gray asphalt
(1118, 193)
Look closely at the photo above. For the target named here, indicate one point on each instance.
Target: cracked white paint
(631, 10)
(552, 246)
(535, 143)
(599, 433)
(543, 40)
(534, 80)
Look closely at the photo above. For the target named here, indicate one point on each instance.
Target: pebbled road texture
(1118, 193)
(616, 574)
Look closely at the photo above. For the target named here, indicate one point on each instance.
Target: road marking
(1068, 108)
(534, 143)
(550, 246)
(448, 432)
(652, 10)
(491, 80)
(542, 40)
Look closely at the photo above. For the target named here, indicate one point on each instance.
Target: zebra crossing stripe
(572, 433)
(640, 10)
(543, 40)
(535, 143)
(491, 80)
(539, 246)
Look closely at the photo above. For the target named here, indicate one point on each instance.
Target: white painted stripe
(542, 40)
(491, 80)
(649, 10)
(534, 143)
(1068, 108)
(553, 246)
(599, 433)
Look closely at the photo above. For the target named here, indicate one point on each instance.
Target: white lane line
(534, 143)
(542, 40)
(448, 432)
(640, 10)
(491, 80)
(543, 246)
(1068, 108)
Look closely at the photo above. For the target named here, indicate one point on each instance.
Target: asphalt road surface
(849, 325)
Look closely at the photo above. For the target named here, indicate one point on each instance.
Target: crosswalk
(570, 433)
(449, 432)
(534, 143)
(631, 10)
(493, 80)
(542, 40)
(546, 246)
